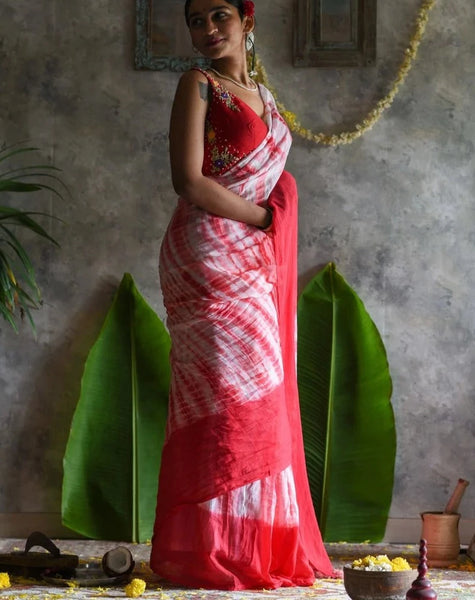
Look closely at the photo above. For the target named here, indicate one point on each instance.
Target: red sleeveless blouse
(232, 129)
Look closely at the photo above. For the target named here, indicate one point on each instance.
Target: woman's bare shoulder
(192, 85)
(191, 82)
(193, 76)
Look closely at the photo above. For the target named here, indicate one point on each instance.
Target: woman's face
(216, 28)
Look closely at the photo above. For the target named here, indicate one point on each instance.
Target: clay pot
(442, 535)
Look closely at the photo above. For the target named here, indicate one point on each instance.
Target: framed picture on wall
(334, 33)
(162, 38)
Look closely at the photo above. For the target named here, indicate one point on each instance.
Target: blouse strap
(212, 82)
(205, 73)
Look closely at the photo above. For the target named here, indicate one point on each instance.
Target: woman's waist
(222, 247)
(207, 234)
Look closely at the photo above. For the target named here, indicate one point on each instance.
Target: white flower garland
(375, 114)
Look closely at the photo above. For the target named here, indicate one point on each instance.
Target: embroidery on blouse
(225, 97)
(222, 155)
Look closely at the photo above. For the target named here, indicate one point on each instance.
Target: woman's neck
(236, 70)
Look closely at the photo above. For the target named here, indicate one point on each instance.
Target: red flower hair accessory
(248, 8)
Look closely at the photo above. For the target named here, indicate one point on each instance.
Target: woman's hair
(239, 4)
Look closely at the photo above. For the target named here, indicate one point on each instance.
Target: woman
(234, 509)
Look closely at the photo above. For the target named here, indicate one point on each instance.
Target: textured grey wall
(394, 211)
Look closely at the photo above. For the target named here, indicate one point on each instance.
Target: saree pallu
(234, 509)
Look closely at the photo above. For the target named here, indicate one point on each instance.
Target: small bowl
(377, 585)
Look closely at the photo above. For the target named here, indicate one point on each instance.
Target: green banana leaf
(347, 418)
(113, 453)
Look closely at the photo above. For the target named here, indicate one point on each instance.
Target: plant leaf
(113, 453)
(28, 171)
(13, 185)
(18, 249)
(10, 185)
(7, 315)
(7, 152)
(347, 418)
(23, 218)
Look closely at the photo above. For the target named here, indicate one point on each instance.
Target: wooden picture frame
(334, 33)
(162, 38)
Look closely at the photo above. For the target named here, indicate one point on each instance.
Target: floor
(454, 583)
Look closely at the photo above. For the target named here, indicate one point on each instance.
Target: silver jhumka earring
(250, 47)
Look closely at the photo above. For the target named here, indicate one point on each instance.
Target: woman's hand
(268, 219)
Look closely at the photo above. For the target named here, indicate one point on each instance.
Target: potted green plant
(19, 291)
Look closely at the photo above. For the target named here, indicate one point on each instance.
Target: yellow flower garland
(375, 114)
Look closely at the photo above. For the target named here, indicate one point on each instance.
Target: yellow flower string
(375, 114)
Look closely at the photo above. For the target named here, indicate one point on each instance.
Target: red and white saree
(234, 509)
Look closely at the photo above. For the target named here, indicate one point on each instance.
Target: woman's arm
(186, 157)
